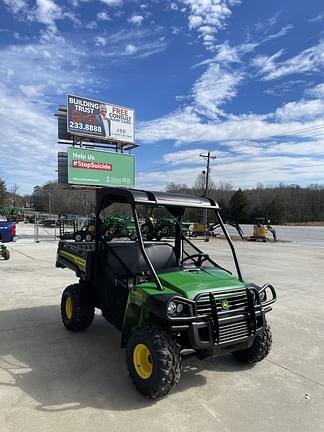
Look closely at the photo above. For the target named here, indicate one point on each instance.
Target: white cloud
(136, 19)
(28, 145)
(288, 86)
(317, 18)
(213, 88)
(159, 180)
(186, 127)
(100, 41)
(243, 171)
(266, 64)
(301, 110)
(112, 3)
(232, 54)
(130, 49)
(317, 91)
(185, 157)
(47, 12)
(314, 146)
(32, 91)
(48, 68)
(91, 25)
(16, 5)
(284, 30)
(208, 17)
(135, 41)
(103, 16)
(311, 59)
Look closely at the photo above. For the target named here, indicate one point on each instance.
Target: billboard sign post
(98, 168)
(100, 120)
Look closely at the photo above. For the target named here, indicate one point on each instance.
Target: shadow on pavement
(65, 371)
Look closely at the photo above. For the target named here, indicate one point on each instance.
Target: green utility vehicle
(167, 299)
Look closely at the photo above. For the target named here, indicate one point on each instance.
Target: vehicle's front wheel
(76, 316)
(259, 349)
(153, 361)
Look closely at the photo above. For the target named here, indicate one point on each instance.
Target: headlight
(172, 308)
(177, 308)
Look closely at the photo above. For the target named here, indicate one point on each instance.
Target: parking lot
(51, 379)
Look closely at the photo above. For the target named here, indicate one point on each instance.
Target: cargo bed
(76, 256)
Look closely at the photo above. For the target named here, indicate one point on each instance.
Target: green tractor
(167, 298)
(117, 227)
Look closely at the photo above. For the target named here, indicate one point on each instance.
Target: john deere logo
(225, 305)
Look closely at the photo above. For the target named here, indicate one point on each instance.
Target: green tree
(239, 207)
(277, 211)
(3, 192)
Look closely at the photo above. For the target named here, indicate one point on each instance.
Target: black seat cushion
(126, 259)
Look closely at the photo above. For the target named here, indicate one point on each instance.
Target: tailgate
(75, 256)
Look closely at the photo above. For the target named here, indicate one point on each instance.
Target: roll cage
(175, 203)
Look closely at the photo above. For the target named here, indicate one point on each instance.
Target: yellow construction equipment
(261, 230)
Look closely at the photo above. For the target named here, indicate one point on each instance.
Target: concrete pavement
(52, 380)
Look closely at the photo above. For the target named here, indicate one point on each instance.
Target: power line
(299, 131)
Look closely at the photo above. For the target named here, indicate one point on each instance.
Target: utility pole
(208, 157)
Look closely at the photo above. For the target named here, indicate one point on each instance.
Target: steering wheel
(201, 257)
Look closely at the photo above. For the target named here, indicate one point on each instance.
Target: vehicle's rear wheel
(76, 316)
(258, 351)
(6, 255)
(153, 361)
(78, 237)
(88, 237)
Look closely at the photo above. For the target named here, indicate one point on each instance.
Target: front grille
(231, 317)
(234, 331)
(237, 301)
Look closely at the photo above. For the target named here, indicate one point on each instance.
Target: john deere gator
(166, 298)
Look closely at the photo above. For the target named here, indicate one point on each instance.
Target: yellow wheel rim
(68, 308)
(143, 361)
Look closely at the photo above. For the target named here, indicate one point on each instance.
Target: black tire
(133, 237)
(165, 361)
(76, 316)
(78, 237)
(88, 237)
(108, 236)
(258, 351)
(6, 255)
(165, 232)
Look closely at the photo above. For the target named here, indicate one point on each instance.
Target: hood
(189, 283)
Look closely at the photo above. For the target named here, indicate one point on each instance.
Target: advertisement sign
(100, 120)
(97, 168)
(62, 167)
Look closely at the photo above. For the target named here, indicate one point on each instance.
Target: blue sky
(241, 78)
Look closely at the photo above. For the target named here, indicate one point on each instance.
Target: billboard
(98, 168)
(62, 167)
(100, 120)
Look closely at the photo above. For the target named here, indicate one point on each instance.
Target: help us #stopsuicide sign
(98, 168)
